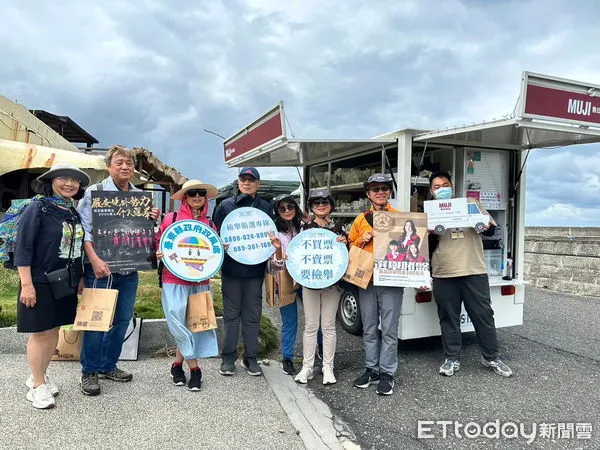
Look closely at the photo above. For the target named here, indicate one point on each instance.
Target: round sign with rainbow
(191, 250)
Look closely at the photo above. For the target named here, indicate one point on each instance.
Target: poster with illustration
(191, 250)
(401, 249)
(123, 233)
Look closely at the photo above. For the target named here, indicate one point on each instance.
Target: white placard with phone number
(246, 233)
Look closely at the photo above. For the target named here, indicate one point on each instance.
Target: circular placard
(246, 231)
(315, 258)
(191, 250)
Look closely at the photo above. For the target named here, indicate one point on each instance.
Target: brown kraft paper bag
(96, 309)
(69, 344)
(360, 267)
(270, 289)
(286, 288)
(201, 312)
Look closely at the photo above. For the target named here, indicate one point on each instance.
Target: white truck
(454, 213)
(486, 160)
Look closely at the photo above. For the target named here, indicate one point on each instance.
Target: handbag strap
(108, 282)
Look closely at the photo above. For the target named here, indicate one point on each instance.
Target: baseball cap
(250, 171)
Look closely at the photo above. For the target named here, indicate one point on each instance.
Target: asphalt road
(556, 359)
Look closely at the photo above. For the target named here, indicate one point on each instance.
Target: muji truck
(487, 162)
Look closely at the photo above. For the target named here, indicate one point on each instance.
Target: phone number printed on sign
(191, 250)
(316, 259)
(246, 232)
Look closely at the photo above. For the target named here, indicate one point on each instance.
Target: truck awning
(513, 134)
(298, 152)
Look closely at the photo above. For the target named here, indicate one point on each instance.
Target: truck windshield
(473, 209)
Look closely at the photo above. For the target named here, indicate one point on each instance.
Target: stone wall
(565, 259)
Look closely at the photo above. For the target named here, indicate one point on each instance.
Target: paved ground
(235, 412)
(556, 359)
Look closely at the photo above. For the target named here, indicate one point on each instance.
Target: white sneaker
(52, 388)
(40, 397)
(328, 377)
(304, 375)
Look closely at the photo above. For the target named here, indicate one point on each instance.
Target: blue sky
(156, 75)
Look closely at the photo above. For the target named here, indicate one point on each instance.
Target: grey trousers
(242, 301)
(474, 292)
(381, 354)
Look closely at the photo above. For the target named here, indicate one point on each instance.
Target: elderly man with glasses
(381, 353)
(242, 283)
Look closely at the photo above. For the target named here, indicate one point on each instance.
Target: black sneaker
(227, 368)
(89, 384)
(287, 366)
(116, 375)
(386, 384)
(178, 375)
(195, 382)
(252, 367)
(368, 378)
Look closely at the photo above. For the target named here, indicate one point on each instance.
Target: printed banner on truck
(123, 233)
(401, 249)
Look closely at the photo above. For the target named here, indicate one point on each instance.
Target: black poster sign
(123, 233)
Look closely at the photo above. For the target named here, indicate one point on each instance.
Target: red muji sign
(560, 100)
(267, 128)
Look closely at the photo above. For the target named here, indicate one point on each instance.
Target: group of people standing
(41, 249)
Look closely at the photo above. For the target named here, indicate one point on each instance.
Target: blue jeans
(100, 350)
(289, 329)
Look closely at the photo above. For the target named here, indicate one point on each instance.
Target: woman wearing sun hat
(49, 238)
(194, 197)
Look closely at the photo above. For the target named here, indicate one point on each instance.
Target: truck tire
(439, 229)
(349, 311)
(479, 227)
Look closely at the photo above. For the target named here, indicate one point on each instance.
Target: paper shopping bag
(131, 343)
(69, 344)
(201, 312)
(96, 309)
(360, 267)
(286, 288)
(270, 289)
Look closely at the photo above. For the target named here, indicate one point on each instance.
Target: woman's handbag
(61, 280)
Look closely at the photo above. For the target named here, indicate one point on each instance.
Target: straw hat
(211, 191)
(65, 170)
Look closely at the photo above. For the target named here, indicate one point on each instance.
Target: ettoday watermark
(496, 429)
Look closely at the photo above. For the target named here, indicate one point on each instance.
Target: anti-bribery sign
(315, 258)
(246, 231)
(191, 250)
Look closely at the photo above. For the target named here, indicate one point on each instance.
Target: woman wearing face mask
(288, 222)
(49, 238)
(175, 291)
(320, 305)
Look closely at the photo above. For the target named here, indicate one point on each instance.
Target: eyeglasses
(196, 192)
(323, 202)
(67, 179)
(380, 189)
(122, 163)
(247, 179)
(283, 208)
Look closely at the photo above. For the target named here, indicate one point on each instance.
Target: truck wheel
(439, 229)
(349, 312)
(479, 227)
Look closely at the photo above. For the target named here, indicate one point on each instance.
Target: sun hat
(65, 170)
(211, 191)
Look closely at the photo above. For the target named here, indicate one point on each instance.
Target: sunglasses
(380, 189)
(283, 208)
(324, 202)
(196, 192)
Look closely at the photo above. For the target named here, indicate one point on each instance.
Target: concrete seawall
(564, 259)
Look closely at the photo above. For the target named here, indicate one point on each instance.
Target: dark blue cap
(250, 171)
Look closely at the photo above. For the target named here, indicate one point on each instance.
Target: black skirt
(47, 313)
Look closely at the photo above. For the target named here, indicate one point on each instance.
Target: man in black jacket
(242, 283)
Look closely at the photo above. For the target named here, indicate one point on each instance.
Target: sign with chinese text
(123, 233)
(246, 232)
(191, 250)
(315, 258)
(401, 249)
